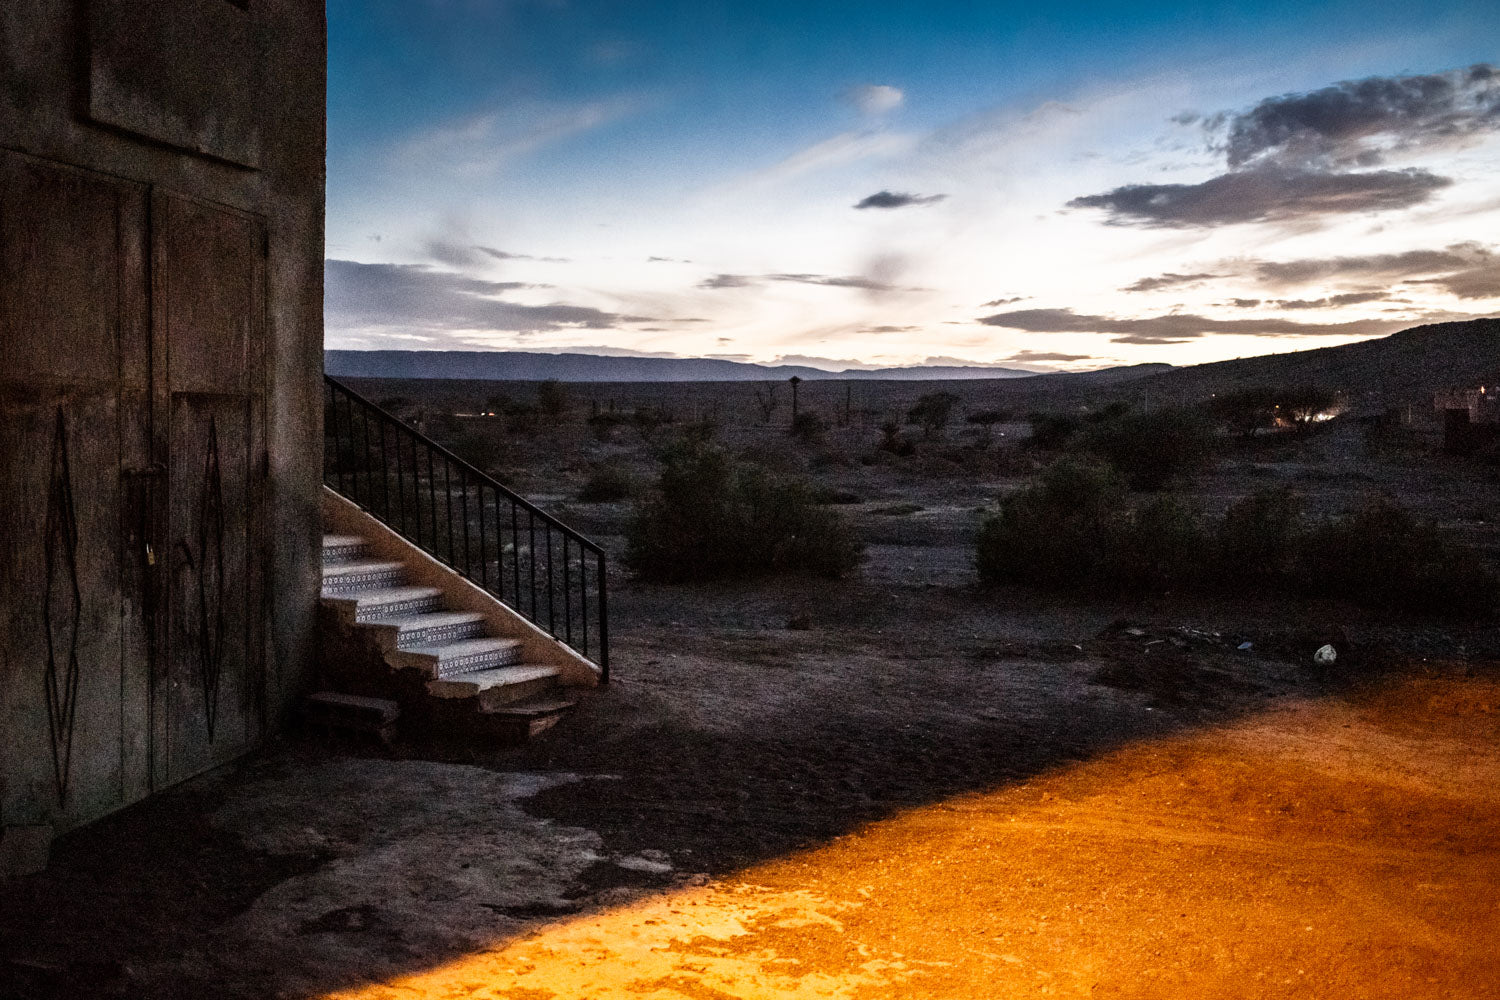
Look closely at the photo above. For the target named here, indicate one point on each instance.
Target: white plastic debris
(1325, 656)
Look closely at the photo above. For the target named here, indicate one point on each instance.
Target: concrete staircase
(399, 625)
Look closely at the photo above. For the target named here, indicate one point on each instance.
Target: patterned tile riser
(475, 662)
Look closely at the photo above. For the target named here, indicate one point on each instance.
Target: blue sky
(1054, 185)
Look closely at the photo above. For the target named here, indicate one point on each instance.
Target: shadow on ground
(730, 741)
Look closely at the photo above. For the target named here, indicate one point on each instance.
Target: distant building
(1471, 417)
(1482, 403)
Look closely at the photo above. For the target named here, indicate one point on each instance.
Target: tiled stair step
(466, 656)
(343, 548)
(366, 574)
(375, 605)
(433, 627)
(498, 687)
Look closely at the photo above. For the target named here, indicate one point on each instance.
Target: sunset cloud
(1264, 195)
(1179, 327)
(1358, 123)
(1301, 156)
(1168, 280)
(405, 296)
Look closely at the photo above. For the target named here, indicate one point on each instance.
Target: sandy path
(1320, 849)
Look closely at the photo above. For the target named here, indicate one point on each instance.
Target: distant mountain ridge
(527, 366)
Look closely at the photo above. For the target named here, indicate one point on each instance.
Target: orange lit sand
(1325, 849)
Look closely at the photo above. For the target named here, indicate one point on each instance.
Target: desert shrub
(479, 442)
(932, 411)
(649, 420)
(1012, 460)
(988, 418)
(785, 461)
(552, 398)
(520, 418)
(1051, 431)
(608, 484)
(1057, 532)
(1074, 530)
(828, 458)
(1151, 449)
(835, 496)
(1161, 547)
(1109, 411)
(1384, 556)
(1244, 412)
(485, 449)
(1257, 539)
(701, 431)
(604, 424)
(808, 427)
(893, 441)
(1302, 406)
(712, 517)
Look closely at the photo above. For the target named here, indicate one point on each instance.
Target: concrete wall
(209, 114)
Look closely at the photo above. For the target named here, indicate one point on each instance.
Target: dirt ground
(919, 791)
(893, 785)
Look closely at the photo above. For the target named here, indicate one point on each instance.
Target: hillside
(523, 366)
(1404, 367)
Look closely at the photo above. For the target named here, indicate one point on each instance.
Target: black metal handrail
(496, 538)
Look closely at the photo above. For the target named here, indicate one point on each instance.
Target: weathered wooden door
(74, 681)
(208, 334)
(131, 464)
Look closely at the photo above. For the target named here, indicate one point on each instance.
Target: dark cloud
(1264, 195)
(1475, 283)
(417, 296)
(456, 253)
(727, 281)
(1307, 155)
(1244, 303)
(667, 260)
(505, 255)
(1179, 327)
(1033, 356)
(1168, 280)
(1412, 263)
(1331, 302)
(889, 329)
(1357, 122)
(846, 281)
(1002, 302)
(894, 199)
(832, 281)
(1466, 270)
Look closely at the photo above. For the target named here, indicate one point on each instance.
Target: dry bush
(711, 517)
